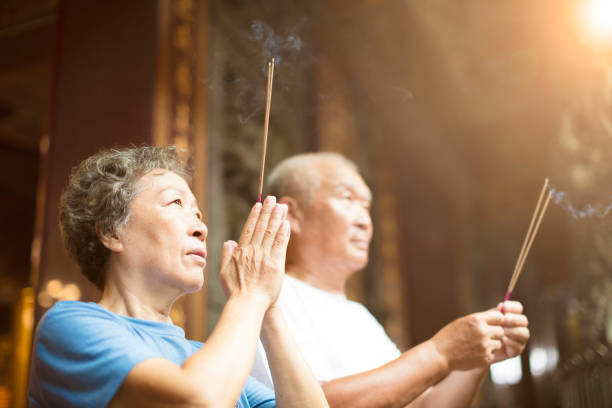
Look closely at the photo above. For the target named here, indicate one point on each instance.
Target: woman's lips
(198, 254)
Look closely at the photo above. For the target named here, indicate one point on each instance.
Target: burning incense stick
(536, 219)
(267, 121)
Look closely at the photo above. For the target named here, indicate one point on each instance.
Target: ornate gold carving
(180, 110)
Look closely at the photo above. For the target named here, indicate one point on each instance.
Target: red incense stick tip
(503, 310)
(259, 198)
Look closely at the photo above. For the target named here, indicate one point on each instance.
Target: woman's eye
(177, 201)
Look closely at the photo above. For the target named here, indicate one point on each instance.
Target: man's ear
(109, 240)
(294, 213)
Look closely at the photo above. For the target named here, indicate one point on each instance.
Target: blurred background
(455, 111)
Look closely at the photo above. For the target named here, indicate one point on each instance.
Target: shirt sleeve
(81, 357)
(258, 395)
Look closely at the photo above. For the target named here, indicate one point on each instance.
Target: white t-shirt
(337, 337)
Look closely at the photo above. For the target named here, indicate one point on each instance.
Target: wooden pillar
(125, 74)
(180, 113)
(336, 132)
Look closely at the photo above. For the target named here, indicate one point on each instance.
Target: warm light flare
(598, 16)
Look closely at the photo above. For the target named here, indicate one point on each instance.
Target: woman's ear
(109, 240)
(294, 213)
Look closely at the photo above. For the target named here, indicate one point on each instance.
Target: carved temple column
(125, 73)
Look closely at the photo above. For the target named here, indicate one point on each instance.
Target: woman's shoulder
(74, 306)
(70, 317)
(73, 309)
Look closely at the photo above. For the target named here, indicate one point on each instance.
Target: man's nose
(365, 220)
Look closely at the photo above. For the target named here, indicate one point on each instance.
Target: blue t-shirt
(83, 352)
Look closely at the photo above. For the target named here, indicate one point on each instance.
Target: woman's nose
(200, 231)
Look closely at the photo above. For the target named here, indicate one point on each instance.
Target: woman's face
(163, 241)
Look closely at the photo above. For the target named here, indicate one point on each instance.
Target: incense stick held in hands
(267, 121)
(531, 232)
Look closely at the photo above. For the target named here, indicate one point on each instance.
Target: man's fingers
(510, 306)
(249, 225)
(520, 334)
(493, 317)
(496, 332)
(494, 346)
(279, 247)
(511, 347)
(262, 223)
(518, 320)
(510, 342)
(276, 218)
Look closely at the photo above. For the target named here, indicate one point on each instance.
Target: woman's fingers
(225, 275)
(262, 223)
(226, 254)
(249, 225)
(276, 218)
(279, 247)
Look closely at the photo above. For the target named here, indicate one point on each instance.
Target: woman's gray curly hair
(98, 196)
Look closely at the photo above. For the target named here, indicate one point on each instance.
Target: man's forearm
(395, 384)
(294, 383)
(457, 390)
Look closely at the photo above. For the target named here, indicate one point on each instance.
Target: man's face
(337, 223)
(164, 238)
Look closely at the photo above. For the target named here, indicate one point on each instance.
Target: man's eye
(177, 201)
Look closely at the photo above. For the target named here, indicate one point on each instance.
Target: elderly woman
(130, 220)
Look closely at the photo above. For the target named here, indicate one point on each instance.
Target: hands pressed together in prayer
(256, 264)
(479, 339)
(254, 268)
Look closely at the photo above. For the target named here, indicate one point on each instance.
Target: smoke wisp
(561, 199)
(273, 45)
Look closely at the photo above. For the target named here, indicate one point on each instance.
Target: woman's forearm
(224, 362)
(294, 383)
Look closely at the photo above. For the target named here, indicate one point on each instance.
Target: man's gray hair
(299, 176)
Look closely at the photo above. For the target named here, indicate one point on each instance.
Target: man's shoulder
(302, 296)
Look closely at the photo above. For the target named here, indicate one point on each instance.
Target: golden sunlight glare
(598, 16)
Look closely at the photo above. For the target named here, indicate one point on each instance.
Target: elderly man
(349, 352)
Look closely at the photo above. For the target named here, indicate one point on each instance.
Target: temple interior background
(454, 111)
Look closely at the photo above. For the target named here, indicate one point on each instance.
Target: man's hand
(483, 338)
(256, 264)
(516, 333)
(471, 341)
